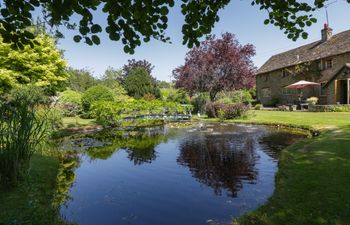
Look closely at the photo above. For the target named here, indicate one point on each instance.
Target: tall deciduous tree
(80, 79)
(217, 65)
(41, 65)
(133, 22)
(111, 79)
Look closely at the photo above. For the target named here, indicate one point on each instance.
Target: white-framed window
(266, 92)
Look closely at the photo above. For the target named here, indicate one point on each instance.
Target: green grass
(313, 181)
(30, 202)
(316, 120)
(76, 122)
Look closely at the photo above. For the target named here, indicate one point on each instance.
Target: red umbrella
(302, 84)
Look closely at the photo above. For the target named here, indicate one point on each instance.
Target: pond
(204, 175)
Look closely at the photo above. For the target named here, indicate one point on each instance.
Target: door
(342, 91)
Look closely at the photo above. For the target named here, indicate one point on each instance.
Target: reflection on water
(222, 161)
(175, 176)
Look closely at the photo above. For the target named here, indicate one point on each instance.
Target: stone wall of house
(276, 82)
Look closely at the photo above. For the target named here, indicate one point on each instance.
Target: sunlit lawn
(313, 182)
(69, 122)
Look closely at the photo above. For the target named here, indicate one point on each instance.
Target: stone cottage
(326, 62)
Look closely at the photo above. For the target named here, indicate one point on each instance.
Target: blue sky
(239, 17)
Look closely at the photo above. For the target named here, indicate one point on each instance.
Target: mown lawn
(313, 181)
(76, 122)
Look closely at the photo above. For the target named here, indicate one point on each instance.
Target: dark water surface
(176, 176)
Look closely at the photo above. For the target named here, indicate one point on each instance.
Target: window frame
(328, 66)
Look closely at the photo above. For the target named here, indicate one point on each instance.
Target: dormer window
(325, 64)
(328, 64)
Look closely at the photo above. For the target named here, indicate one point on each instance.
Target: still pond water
(167, 176)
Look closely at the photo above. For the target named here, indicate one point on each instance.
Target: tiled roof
(337, 44)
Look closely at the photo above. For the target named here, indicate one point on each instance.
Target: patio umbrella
(302, 84)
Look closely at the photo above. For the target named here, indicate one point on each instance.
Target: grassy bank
(312, 184)
(30, 202)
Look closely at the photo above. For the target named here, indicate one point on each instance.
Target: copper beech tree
(217, 65)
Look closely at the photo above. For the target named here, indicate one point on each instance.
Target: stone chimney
(326, 33)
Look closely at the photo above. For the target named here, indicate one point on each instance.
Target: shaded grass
(30, 202)
(313, 181)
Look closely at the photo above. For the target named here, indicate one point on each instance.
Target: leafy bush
(70, 96)
(96, 93)
(257, 106)
(312, 100)
(329, 108)
(274, 102)
(176, 95)
(239, 96)
(199, 103)
(226, 111)
(111, 113)
(149, 97)
(212, 109)
(70, 102)
(107, 113)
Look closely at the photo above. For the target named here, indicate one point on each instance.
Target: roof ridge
(338, 44)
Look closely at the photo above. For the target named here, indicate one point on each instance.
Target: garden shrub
(149, 97)
(239, 96)
(70, 102)
(96, 93)
(257, 106)
(109, 113)
(234, 111)
(226, 111)
(312, 100)
(329, 108)
(175, 95)
(199, 103)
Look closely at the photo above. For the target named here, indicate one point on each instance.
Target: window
(267, 77)
(325, 64)
(285, 73)
(328, 64)
(323, 89)
(266, 92)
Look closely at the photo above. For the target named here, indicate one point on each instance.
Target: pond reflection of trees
(223, 162)
(140, 145)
